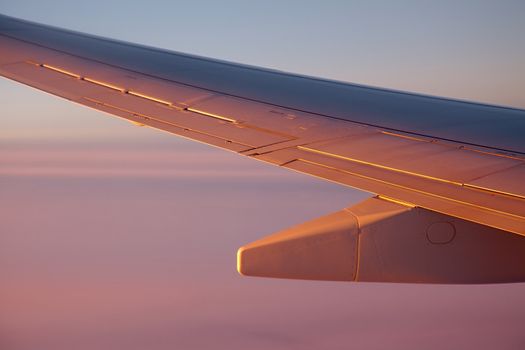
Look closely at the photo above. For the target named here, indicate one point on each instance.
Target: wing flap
(509, 181)
(412, 196)
(194, 120)
(425, 158)
(161, 125)
(495, 210)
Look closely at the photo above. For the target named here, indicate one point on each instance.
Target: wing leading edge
(461, 160)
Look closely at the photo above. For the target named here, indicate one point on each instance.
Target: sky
(119, 237)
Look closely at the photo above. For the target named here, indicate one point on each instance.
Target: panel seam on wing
(412, 189)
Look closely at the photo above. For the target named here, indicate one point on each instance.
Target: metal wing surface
(454, 158)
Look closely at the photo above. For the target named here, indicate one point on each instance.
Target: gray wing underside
(461, 159)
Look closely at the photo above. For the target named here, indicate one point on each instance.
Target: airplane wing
(449, 175)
